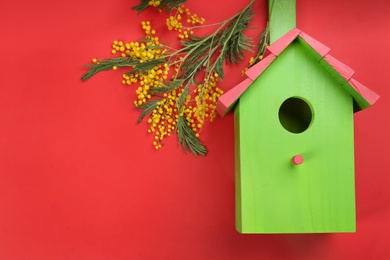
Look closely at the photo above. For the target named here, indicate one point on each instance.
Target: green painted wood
(282, 17)
(237, 166)
(309, 49)
(345, 85)
(272, 194)
(333, 72)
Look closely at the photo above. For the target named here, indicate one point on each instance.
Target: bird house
(294, 136)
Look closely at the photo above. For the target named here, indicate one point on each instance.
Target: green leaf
(170, 4)
(209, 53)
(123, 62)
(141, 6)
(187, 138)
(233, 40)
(147, 108)
(183, 95)
(167, 5)
(262, 44)
(167, 87)
(219, 68)
(108, 64)
(146, 66)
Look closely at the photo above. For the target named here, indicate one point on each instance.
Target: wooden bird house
(294, 135)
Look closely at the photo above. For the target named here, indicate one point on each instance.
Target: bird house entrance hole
(295, 115)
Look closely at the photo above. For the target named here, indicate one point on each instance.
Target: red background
(80, 180)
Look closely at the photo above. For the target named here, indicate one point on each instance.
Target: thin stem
(202, 26)
(232, 31)
(198, 44)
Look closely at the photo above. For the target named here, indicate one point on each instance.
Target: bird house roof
(362, 96)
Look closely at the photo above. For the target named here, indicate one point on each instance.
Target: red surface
(80, 180)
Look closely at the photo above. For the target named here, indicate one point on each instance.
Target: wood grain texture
(370, 96)
(343, 74)
(259, 68)
(320, 48)
(282, 17)
(278, 46)
(283, 32)
(273, 195)
(341, 69)
(363, 96)
(227, 101)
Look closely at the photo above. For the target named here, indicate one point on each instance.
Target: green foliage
(208, 54)
(167, 87)
(108, 64)
(141, 6)
(170, 4)
(262, 44)
(166, 5)
(180, 101)
(146, 66)
(229, 39)
(123, 62)
(147, 108)
(233, 40)
(199, 53)
(187, 138)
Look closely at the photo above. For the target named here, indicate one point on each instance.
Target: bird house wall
(272, 194)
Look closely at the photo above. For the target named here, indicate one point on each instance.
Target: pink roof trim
(320, 48)
(359, 92)
(227, 100)
(370, 96)
(258, 68)
(278, 46)
(342, 69)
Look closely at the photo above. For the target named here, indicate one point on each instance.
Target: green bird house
(294, 135)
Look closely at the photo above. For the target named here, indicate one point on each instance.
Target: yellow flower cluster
(143, 51)
(162, 121)
(174, 22)
(164, 118)
(140, 50)
(252, 61)
(150, 79)
(206, 99)
(154, 3)
(195, 20)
